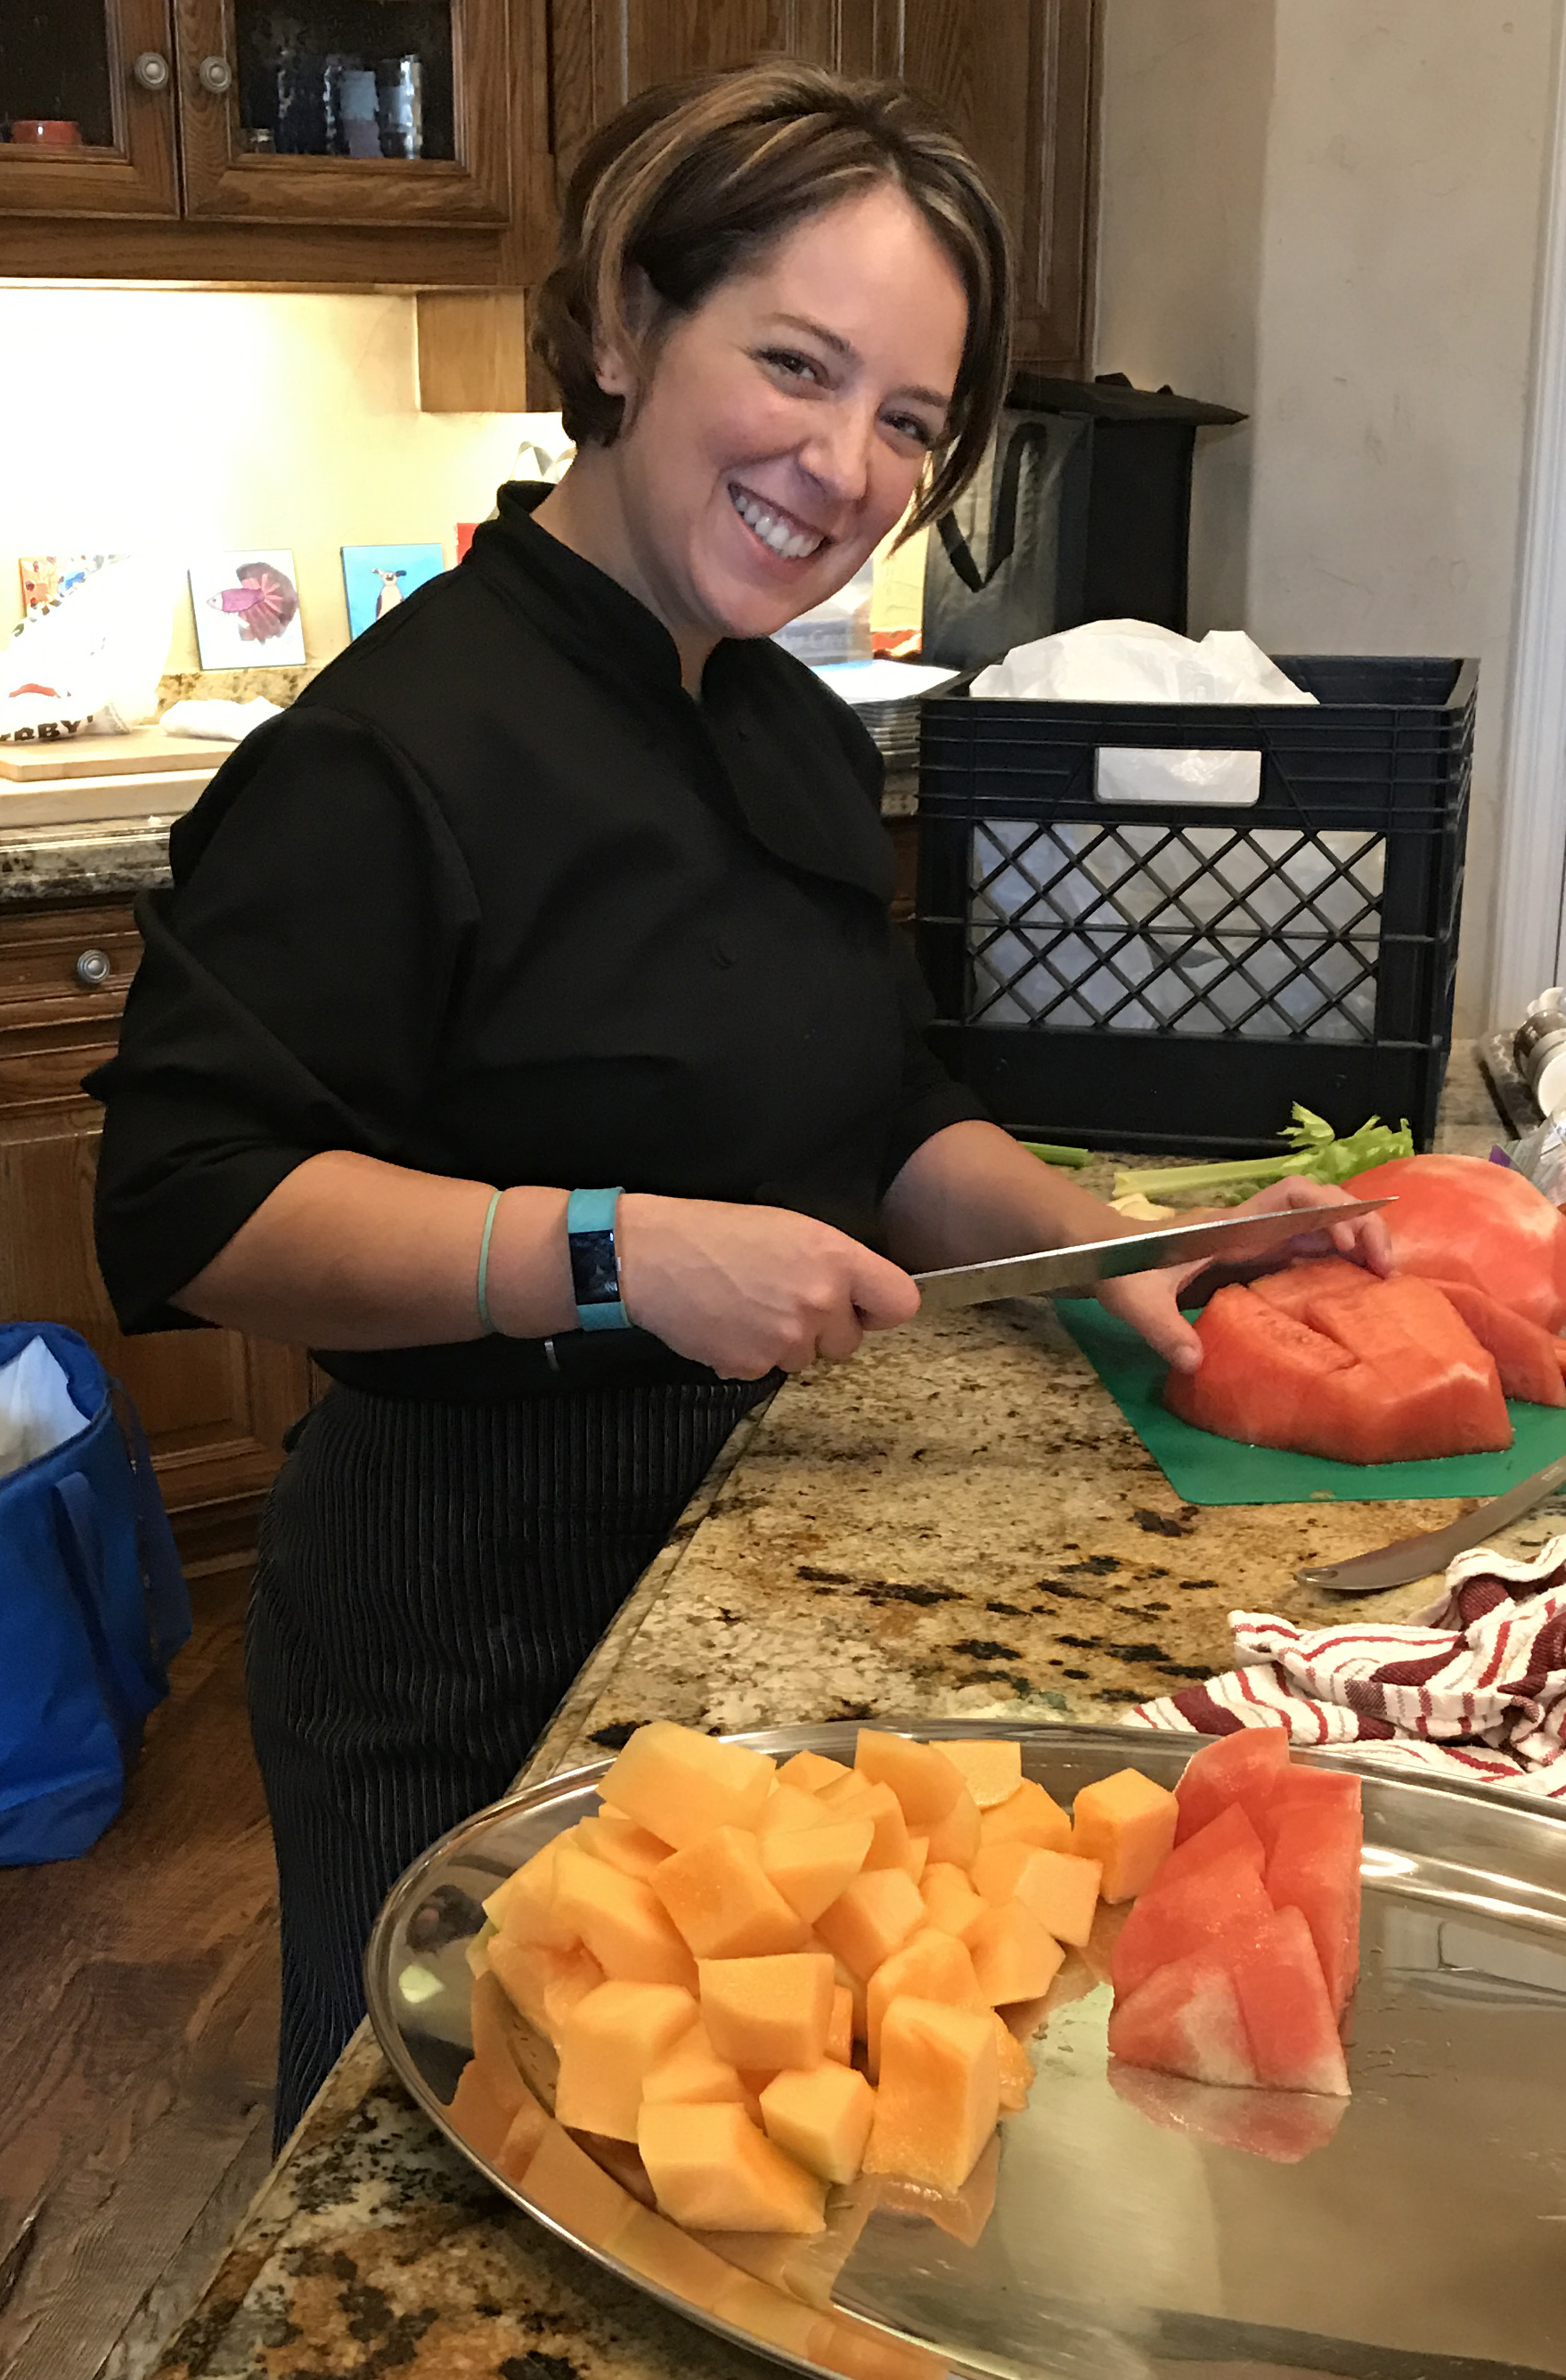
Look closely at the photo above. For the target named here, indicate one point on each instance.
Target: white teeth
(775, 534)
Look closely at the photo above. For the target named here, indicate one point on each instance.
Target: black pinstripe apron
(431, 1577)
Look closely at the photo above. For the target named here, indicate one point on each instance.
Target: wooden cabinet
(215, 1405)
(1015, 79)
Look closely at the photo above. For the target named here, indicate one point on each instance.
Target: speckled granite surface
(959, 1522)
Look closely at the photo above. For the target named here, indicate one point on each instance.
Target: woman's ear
(618, 359)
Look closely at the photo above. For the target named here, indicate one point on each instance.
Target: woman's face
(788, 420)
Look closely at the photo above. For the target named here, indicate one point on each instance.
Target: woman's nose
(838, 452)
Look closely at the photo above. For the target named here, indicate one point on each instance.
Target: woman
(565, 877)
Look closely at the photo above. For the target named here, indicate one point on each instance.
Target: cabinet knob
(152, 70)
(92, 968)
(216, 75)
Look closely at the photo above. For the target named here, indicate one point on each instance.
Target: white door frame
(1530, 893)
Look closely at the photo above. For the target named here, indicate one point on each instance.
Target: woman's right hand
(751, 1290)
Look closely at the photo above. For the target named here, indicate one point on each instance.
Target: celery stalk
(1317, 1155)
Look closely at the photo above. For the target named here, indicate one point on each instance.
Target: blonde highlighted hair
(694, 182)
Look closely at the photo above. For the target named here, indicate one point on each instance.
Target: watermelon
(1247, 1767)
(1290, 2020)
(1449, 1394)
(1332, 1789)
(1282, 2126)
(1169, 1921)
(1293, 1288)
(1314, 1867)
(1462, 1219)
(1231, 1831)
(1186, 2020)
(1526, 1358)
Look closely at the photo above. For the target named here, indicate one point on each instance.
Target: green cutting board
(1206, 1470)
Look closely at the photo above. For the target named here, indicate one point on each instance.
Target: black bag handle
(1003, 544)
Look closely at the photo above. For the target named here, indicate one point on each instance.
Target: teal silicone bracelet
(487, 1323)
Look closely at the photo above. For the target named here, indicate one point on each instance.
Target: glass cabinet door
(87, 108)
(344, 111)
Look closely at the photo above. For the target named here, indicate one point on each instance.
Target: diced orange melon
(625, 1845)
(607, 2045)
(1126, 1823)
(961, 2213)
(929, 1966)
(620, 1920)
(522, 1905)
(820, 2117)
(1028, 1815)
(840, 2031)
(543, 1984)
(949, 1900)
(938, 2095)
(492, 2019)
(870, 1918)
(811, 1865)
(890, 1841)
(790, 1807)
(662, 2253)
(846, 1796)
(811, 1770)
(765, 2313)
(920, 1774)
(564, 2180)
(1013, 1959)
(722, 1901)
(990, 1766)
(1015, 2066)
(680, 1784)
(769, 2013)
(692, 2071)
(713, 2170)
(954, 1840)
(847, 1981)
(1062, 1893)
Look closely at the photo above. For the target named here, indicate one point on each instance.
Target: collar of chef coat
(801, 774)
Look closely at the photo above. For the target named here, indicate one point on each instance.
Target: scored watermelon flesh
(1166, 1922)
(1314, 1867)
(1527, 1358)
(1290, 2019)
(1246, 1768)
(1186, 2020)
(1294, 1288)
(1450, 1398)
(1232, 1830)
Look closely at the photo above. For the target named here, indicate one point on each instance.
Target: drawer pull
(92, 968)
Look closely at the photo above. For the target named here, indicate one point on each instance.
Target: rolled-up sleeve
(292, 996)
(929, 1097)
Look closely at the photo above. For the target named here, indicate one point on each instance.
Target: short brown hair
(693, 182)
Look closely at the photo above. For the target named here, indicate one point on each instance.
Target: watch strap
(595, 1263)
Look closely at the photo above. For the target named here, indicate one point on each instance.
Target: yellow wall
(200, 421)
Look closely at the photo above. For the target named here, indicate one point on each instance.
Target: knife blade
(1230, 1239)
(1407, 1558)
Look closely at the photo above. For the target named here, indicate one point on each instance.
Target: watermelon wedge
(1246, 1768)
(1316, 1788)
(1166, 1922)
(1314, 1867)
(1186, 2020)
(1291, 2023)
(1448, 1389)
(1525, 1356)
(1294, 1288)
(1229, 1831)
(1283, 2126)
(1462, 1219)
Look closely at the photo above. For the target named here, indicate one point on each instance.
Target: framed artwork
(246, 607)
(49, 578)
(376, 578)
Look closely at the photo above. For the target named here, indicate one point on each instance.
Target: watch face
(595, 1273)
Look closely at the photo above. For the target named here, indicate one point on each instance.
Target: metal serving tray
(1144, 2227)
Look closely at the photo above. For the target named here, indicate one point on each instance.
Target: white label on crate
(1229, 781)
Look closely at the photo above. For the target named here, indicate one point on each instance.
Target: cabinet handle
(152, 70)
(216, 75)
(92, 968)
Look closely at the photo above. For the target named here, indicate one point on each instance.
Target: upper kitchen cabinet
(1013, 77)
(284, 142)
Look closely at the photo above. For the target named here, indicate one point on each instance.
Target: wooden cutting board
(144, 751)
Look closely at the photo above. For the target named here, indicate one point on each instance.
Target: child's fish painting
(247, 608)
(377, 579)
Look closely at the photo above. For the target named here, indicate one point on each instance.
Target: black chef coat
(497, 899)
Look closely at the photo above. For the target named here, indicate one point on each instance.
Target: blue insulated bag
(92, 1607)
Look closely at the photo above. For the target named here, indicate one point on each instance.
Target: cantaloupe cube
(713, 2170)
(929, 1966)
(680, 1784)
(620, 1920)
(691, 2071)
(938, 2095)
(820, 2117)
(811, 1865)
(918, 1855)
(722, 1901)
(1016, 2067)
(607, 2045)
(870, 1918)
(1126, 1823)
(1062, 1893)
(961, 2213)
(990, 1766)
(564, 2180)
(949, 1900)
(1013, 1959)
(662, 2253)
(543, 1985)
(522, 1905)
(953, 1841)
(1028, 1816)
(625, 1845)
(920, 1774)
(888, 1843)
(789, 1807)
(765, 2313)
(846, 1796)
(811, 1770)
(769, 2013)
(840, 2031)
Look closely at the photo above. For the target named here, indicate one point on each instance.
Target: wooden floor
(137, 2035)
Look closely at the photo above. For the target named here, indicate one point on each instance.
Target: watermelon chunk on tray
(1245, 1767)
(1186, 2020)
(1314, 1867)
(1169, 1921)
(1232, 1830)
(1290, 2020)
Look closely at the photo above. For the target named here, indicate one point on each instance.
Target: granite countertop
(958, 1523)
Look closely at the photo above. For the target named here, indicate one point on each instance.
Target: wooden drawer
(52, 965)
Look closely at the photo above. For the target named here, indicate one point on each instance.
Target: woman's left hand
(1150, 1301)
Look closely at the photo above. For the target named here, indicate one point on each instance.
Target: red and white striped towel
(1476, 1688)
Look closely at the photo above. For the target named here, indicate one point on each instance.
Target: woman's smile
(781, 533)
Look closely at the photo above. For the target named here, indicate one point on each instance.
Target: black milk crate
(1172, 973)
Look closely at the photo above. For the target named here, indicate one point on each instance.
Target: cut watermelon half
(1293, 1289)
(1282, 2126)
(1186, 2020)
(1447, 1396)
(1462, 1219)
(1314, 1867)
(1166, 1922)
(1246, 1768)
(1231, 1831)
(1290, 2020)
(1524, 1354)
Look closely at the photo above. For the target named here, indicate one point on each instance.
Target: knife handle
(1407, 1558)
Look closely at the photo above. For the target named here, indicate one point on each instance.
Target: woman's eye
(795, 366)
(908, 425)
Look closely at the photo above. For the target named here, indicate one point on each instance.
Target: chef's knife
(1232, 1239)
(1407, 1558)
